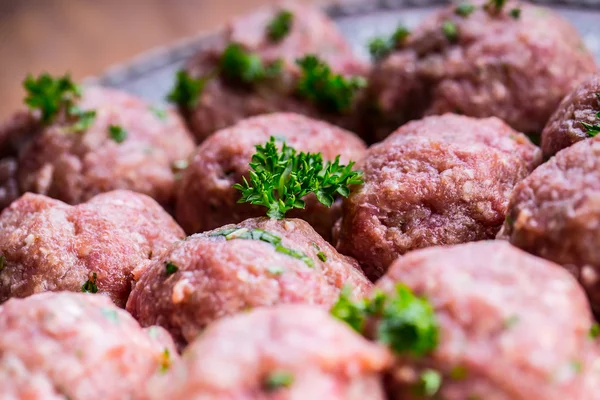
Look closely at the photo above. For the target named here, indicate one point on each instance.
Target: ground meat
(47, 245)
(555, 213)
(241, 357)
(512, 326)
(223, 103)
(207, 276)
(206, 198)
(74, 167)
(57, 346)
(565, 127)
(440, 180)
(517, 69)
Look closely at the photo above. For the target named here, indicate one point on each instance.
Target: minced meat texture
(284, 352)
(441, 180)
(47, 245)
(566, 127)
(517, 69)
(57, 346)
(511, 325)
(222, 103)
(259, 262)
(206, 198)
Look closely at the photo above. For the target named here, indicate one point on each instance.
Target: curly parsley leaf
(117, 133)
(187, 89)
(327, 90)
(50, 95)
(279, 179)
(464, 9)
(239, 65)
(381, 47)
(405, 322)
(280, 26)
(90, 285)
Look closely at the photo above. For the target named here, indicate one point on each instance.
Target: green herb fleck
(170, 268)
(165, 361)
(429, 384)
(50, 95)
(515, 13)
(110, 314)
(277, 380)
(117, 133)
(159, 112)
(239, 65)
(576, 366)
(322, 256)
(295, 254)
(90, 285)
(495, 5)
(450, 30)
(594, 330)
(459, 373)
(329, 91)
(279, 179)
(84, 119)
(406, 322)
(2, 262)
(275, 270)
(592, 130)
(511, 321)
(464, 9)
(280, 26)
(187, 90)
(400, 34)
(380, 47)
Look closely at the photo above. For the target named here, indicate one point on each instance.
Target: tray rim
(163, 55)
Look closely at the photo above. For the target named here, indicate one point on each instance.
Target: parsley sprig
(405, 322)
(327, 90)
(50, 95)
(240, 65)
(279, 179)
(280, 26)
(381, 47)
(187, 89)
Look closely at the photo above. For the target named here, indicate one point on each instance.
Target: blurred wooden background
(86, 36)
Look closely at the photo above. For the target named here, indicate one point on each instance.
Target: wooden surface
(86, 36)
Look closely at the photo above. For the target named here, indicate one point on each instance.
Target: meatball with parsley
(284, 352)
(256, 263)
(57, 346)
(437, 181)
(481, 320)
(85, 141)
(288, 57)
(47, 245)
(577, 118)
(509, 59)
(206, 198)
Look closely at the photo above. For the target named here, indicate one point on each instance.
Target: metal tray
(150, 75)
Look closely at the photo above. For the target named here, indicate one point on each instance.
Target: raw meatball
(565, 127)
(223, 103)
(512, 326)
(440, 180)
(555, 213)
(57, 346)
(517, 69)
(47, 245)
(289, 352)
(206, 198)
(74, 167)
(259, 262)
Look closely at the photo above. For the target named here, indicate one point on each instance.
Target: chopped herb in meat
(322, 256)
(90, 285)
(165, 361)
(159, 112)
(495, 5)
(515, 13)
(187, 90)
(239, 65)
(429, 384)
(594, 330)
(450, 30)
(50, 95)
(380, 47)
(280, 26)
(464, 9)
(277, 380)
(170, 268)
(295, 254)
(327, 90)
(84, 118)
(405, 322)
(511, 321)
(279, 179)
(459, 373)
(117, 133)
(275, 270)
(593, 130)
